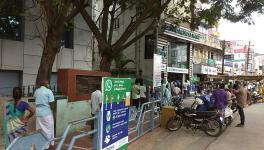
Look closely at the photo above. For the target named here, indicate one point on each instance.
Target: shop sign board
(182, 33)
(208, 70)
(163, 67)
(115, 113)
(157, 63)
(177, 70)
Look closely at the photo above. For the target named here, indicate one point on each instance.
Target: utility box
(166, 114)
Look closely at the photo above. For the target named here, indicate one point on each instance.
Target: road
(249, 137)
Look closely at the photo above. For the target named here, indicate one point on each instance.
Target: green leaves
(197, 12)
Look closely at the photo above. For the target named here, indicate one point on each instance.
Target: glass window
(11, 22)
(178, 57)
(149, 47)
(67, 39)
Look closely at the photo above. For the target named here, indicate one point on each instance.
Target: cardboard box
(166, 113)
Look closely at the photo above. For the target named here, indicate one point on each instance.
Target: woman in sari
(14, 119)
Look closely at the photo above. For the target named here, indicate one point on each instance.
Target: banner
(115, 113)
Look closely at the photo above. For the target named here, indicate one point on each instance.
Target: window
(116, 23)
(67, 39)
(11, 24)
(149, 47)
(178, 57)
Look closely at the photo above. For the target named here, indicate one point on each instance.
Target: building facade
(240, 58)
(20, 54)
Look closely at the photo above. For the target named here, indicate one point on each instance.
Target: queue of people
(17, 114)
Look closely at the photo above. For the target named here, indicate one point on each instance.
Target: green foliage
(11, 19)
(210, 12)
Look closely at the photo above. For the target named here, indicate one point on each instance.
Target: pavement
(249, 137)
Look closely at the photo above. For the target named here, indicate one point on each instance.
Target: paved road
(250, 137)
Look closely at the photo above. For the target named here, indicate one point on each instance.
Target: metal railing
(83, 134)
(27, 90)
(152, 105)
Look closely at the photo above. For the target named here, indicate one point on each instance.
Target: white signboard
(157, 62)
(209, 70)
(212, 71)
(163, 67)
(204, 69)
(177, 70)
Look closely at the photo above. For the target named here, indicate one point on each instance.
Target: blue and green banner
(115, 113)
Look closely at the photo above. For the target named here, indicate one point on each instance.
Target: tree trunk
(105, 63)
(51, 48)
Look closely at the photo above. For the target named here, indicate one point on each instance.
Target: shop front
(180, 43)
(201, 71)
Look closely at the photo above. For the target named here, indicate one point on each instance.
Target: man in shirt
(241, 97)
(220, 97)
(96, 101)
(45, 121)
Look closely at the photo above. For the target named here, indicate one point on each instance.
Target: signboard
(177, 70)
(163, 67)
(228, 63)
(208, 70)
(157, 62)
(182, 33)
(115, 113)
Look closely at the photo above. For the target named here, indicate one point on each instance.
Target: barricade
(141, 120)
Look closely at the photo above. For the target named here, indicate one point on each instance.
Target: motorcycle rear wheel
(213, 128)
(174, 123)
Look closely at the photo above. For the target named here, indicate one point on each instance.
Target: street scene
(131, 74)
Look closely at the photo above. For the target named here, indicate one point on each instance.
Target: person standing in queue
(220, 98)
(143, 92)
(45, 105)
(241, 97)
(96, 102)
(136, 93)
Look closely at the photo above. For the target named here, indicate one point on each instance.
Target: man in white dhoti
(45, 121)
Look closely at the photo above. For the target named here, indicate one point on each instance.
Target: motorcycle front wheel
(174, 123)
(213, 128)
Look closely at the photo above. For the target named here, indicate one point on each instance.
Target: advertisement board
(157, 63)
(115, 113)
(177, 70)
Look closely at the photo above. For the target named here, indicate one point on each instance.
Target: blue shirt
(43, 96)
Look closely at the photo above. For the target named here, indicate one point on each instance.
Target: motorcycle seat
(206, 114)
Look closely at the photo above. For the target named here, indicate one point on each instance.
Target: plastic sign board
(115, 113)
(157, 63)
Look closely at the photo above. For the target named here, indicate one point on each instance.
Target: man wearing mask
(44, 99)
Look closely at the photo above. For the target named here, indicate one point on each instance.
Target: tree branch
(131, 27)
(126, 45)
(75, 12)
(88, 19)
(106, 5)
(112, 21)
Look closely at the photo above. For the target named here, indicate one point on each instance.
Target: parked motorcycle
(207, 121)
(255, 97)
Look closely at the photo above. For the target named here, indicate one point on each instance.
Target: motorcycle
(207, 121)
(255, 97)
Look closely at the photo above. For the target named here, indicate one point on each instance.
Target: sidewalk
(249, 137)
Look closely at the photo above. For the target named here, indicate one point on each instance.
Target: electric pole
(247, 60)
(223, 56)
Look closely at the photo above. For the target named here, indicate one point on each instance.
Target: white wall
(26, 55)
(11, 55)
